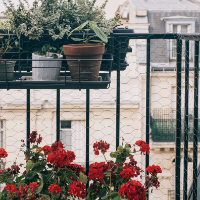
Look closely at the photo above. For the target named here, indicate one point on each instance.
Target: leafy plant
(7, 43)
(56, 16)
(50, 174)
(91, 25)
(47, 48)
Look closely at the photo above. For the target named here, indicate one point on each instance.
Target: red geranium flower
(11, 188)
(56, 146)
(3, 153)
(54, 188)
(33, 186)
(154, 169)
(39, 140)
(144, 147)
(60, 158)
(132, 190)
(76, 168)
(96, 171)
(128, 173)
(77, 189)
(46, 149)
(103, 146)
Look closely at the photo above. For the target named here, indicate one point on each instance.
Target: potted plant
(50, 174)
(44, 69)
(7, 42)
(89, 70)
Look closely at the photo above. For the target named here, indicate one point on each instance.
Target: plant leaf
(29, 165)
(83, 178)
(99, 32)
(78, 28)
(77, 39)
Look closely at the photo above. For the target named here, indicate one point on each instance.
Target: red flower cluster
(154, 169)
(56, 146)
(53, 188)
(59, 157)
(3, 153)
(28, 189)
(96, 171)
(78, 189)
(128, 172)
(150, 182)
(144, 147)
(133, 164)
(11, 188)
(103, 146)
(76, 169)
(46, 149)
(132, 190)
(33, 138)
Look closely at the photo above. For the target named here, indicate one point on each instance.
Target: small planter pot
(89, 70)
(9, 68)
(46, 70)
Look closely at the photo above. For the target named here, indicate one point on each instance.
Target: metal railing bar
(28, 121)
(186, 119)
(195, 141)
(118, 100)
(87, 131)
(58, 115)
(147, 100)
(178, 118)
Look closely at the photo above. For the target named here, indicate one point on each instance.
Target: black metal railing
(180, 133)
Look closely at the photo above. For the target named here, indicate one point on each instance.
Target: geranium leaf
(115, 196)
(29, 165)
(102, 192)
(30, 175)
(82, 178)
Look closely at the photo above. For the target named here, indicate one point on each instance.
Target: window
(178, 28)
(72, 135)
(66, 134)
(179, 24)
(2, 134)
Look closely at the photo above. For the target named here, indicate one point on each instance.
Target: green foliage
(47, 48)
(56, 16)
(91, 25)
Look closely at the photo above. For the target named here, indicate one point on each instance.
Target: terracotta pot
(81, 51)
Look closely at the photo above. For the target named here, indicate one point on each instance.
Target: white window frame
(62, 130)
(2, 133)
(179, 20)
(77, 140)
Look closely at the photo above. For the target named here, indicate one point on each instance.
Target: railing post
(27, 118)
(186, 120)
(58, 115)
(178, 118)
(87, 130)
(147, 101)
(118, 98)
(195, 140)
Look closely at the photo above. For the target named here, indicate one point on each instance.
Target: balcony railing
(115, 48)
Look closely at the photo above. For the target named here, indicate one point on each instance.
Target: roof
(164, 5)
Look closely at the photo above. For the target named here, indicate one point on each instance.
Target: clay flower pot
(82, 51)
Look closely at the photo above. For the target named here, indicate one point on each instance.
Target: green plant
(7, 42)
(56, 16)
(91, 25)
(50, 174)
(47, 48)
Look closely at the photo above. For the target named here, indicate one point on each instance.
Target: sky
(110, 9)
